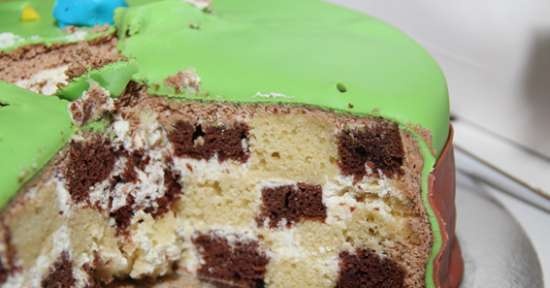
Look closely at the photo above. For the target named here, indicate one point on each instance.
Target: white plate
(497, 252)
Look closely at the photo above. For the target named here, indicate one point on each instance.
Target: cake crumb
(292, 203)
(88, 163)
(367, 269)
(93, 104)
(184, 81)
(61, 273)
(378, 148)
(225, 264)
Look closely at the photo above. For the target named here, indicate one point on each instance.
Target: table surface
(536, 224)
(497, 252)
(535, 221)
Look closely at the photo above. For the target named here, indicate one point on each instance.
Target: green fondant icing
(33, 128)
(301, 49)
(10, 19)
(113, 77)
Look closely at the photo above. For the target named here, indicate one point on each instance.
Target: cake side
(231, 194)
(448, 264)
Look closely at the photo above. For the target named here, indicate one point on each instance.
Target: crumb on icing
(201, 4)
(271, 95)
(184, 81)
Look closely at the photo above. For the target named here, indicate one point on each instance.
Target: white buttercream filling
(61, 242)
(45, 81)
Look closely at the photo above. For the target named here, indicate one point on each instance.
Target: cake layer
(45, 68)
(248, 195)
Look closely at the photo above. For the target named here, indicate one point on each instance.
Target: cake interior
(199, 194)
(45, 68)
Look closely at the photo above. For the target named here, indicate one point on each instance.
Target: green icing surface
(33, 128)
(113, 77)
(286, 51)
(44, 27)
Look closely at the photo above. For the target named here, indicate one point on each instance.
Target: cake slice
(238, 195)
(45, 68)
(248, 144)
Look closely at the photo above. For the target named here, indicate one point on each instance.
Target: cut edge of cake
(45, 68)
(169, 180)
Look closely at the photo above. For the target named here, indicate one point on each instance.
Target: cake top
(306, 52)
(300, 52)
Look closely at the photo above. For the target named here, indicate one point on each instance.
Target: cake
(227, 144)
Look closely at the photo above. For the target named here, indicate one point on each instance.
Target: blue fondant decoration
(85, 12)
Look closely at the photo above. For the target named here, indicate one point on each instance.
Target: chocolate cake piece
(232, 144)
